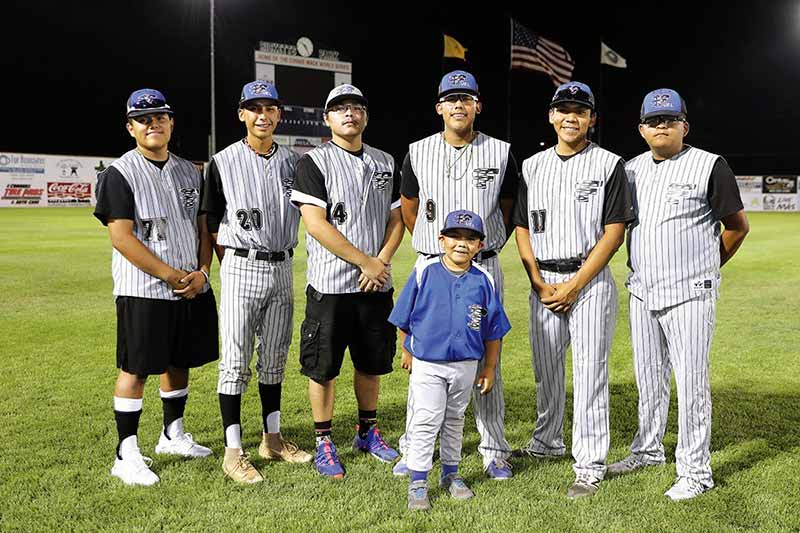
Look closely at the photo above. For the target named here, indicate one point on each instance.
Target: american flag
(532, 52)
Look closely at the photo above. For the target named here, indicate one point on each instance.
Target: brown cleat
(274, 447)
(236, 466)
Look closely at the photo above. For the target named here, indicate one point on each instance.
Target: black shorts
(153, 335)
(357, 321)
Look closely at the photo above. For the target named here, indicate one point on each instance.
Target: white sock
(127, 405)
(233, 436)
(129, 446)
(274, 422)
(175, 428)
(174, 393)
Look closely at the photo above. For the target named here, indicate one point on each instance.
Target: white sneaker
(685, 489)
(134, 469)
(182, 444)
(629, 464)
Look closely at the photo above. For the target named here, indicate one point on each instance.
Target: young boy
(450, 317)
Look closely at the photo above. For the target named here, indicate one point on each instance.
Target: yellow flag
(453, 48)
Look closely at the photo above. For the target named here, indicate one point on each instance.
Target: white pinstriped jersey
(476, 176)
(359, 199)
(674, 247)
(566, 201)
(258, 213)
(166, 202)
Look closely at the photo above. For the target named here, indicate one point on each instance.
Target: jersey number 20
(250, 219)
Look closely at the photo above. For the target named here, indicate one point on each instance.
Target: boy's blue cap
(145, 102)
(259, 89)
(458, 81)
(662, 102)
(464, 219)
(575, 92)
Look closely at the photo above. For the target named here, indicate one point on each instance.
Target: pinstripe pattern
(571, 193)
(677, 337)
(366, 203)
(257, 297)
(167, 203)
(674, 283)
(676, 225)
(489, 408)
(589, 327)
(569, 197)
(471, 186)
(257, 301)
(251, 182)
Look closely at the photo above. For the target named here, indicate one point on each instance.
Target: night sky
(67, 69)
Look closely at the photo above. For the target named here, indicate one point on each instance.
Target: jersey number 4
(250, 219)
(339, 213)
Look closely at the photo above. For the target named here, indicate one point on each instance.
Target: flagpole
(602, 96)
(508, 84)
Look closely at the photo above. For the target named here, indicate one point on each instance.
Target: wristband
(203, 272)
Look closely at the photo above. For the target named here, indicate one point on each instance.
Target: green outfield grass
(57, 433)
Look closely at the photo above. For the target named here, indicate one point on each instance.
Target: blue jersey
(449, 316)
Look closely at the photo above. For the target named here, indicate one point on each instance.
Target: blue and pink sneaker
(374, 444)
(326, 459)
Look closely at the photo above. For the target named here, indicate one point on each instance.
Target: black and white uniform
(565, 203)
(358, 192)
(248, 207)
(674, 283)
(473, 177)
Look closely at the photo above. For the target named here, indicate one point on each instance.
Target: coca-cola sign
(69, 193)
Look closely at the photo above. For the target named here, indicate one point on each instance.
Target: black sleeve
(114, 197)
(520, 215)
(723, 191)
(213, 201)
(309, 180)
(397, 179)
(618, 202)
(509, 187)
(410, 187)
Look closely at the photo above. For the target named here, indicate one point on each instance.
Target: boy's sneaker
(685, 489)
(418, 496)
(499, 470)
(400, 468)
(134, 469)
(457, 487)
(275, 447)
(326, 459)
(374, 444)
(585, 485)
(236, 465)
(183, 445)
(629, 464)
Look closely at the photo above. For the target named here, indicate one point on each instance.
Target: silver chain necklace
(448, 167)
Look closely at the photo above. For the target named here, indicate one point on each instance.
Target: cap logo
(573, 89)
(458, 79)
(259, 88)
(464, 218)
(148, 99)
(661, 100)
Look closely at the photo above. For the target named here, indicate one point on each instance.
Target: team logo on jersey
(679, 191)
(288, 183)
(703, 285)
(481, 176)
(585, 189)
(538, 219)
(475, 316)
(380, 179)
(190, 197)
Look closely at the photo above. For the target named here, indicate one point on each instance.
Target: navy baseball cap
(662, 102)
(464, 219)
(574, 92)
(145, 102)
(458, 81)
(345, 92)
(259, 89)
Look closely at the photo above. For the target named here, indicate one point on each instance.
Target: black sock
(173, 410)
(127, 425)
(366, 419)
(270, 400)
(230, 405)
(322, 429)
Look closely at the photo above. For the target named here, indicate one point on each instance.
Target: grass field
(57, 433)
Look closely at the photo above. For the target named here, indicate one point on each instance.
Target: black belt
(262, 255)
(563, 265)
(480, 256)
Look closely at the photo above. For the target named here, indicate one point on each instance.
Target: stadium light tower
(212, 141)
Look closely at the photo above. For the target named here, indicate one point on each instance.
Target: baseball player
(446, 352)
(166, 313)
(676, 249)
(255, 228)
(460, 168)
(573, 206)
(348, 195)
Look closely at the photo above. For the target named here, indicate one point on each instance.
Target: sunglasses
(667, 120)
(343, 108)
(458, 97)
